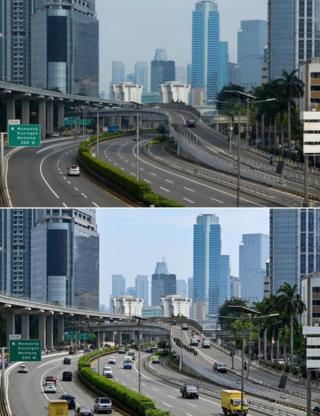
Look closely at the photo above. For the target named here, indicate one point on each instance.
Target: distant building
(175, 305)
(162, 70)
(131, 291)
(141, 71)
(234, 73)
(162, 284)
(126, 92)
(225, 278)
(267, 288)
(190, 287)
(171, 92)
(189, 74)
(131, 77)
(181, 74)
(118, 285)
(199, 311)
(118, 72)
(224, 64)
(160, 55)
(151, 312)
(127, 305)
(309, 73)
(197, 97)
(151, 98)
(310, 295)
(142, 288)
(182, 288)
(235, 287)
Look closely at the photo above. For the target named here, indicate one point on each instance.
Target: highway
(26, 396)
(38, 178)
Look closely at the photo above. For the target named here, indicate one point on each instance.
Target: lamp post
(140, 320)
(138, 151)
(181, 356)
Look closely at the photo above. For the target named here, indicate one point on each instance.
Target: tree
(227, 101)
(227, 315)
(290, 304)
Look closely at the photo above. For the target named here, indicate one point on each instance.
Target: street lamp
(181, 356)
(140, 320)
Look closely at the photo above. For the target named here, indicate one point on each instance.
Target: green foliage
(227, 315)
(228, 103)
(137, 190)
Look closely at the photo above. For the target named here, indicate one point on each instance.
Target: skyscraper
(235, 287)
(224, 64)
(181, 74)
(65, 47)
(118, 285)
(118, 72)
(294, 34)
(162, 70)
(294, 246)
(225, 279)
(182, 288)
(162, 284)
(252, 40)
(65, 258)
(142, 288)
(190, 287)
(15, 251)
(142, 75)
(206, 48)
(253, 254)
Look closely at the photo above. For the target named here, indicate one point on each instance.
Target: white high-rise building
(174, 92)
(126, 92)
(127, 305)
(175, 305)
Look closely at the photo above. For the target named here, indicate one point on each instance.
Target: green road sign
(78, 336)
(27, 135)
(25, 350)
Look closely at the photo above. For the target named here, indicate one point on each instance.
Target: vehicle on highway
(83, 411)
(73, 170)
(67, 376)
(22, 369)
(316, 410)
(132, 355)
(121, 350)
(173, 322)
(66, 361)
(148, 350)
(191, 123)
(127, 364)
(194, 341)
(58, 408)
(107, 372)
(185, 327)
(206, 343)
(112, 360)
(155, 359)
(73, 350)
(50, 387)
(50, 379)
(70, 399)
(231, 402)
(103, 405)
(220, 367)
(189, 391)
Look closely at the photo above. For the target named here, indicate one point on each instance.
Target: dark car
(67, 376)
(70, 399)
(316, 410)
(191, 123)
(189, 391)
(220, 367)
(84, 411)
(67, 361)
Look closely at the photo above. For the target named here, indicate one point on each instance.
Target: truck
(58, 408)
(231, 402)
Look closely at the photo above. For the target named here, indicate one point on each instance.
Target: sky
(131, 30)
(133, 240)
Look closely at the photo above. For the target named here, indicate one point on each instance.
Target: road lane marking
(153, 174)
(188, 200)
(191, 404)
(146, 180)
(168, 180)
(189, 189)
(171, 397)
(164, 189)
(64, 204)
(76, 189)
(96, 205)
(85, 196)
(168, 405)
(216, 200)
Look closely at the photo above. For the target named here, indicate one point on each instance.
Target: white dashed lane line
(189, 189)
(164, 189)
(188, 200)
(146, 180)
(84, 195)
(168, 180)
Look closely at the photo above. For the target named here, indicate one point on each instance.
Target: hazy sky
(133, 240)
(131, 30)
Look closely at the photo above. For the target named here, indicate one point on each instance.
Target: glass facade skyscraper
(142, 288)
(162, 284)
(118, 72)
(206, 48)
(162, 70)
(224, 64)
(141, 72)
(118, 285)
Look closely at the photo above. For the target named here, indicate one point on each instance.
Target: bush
(138, 190)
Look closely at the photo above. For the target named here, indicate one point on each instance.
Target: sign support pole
(3, 373)
(2, 160)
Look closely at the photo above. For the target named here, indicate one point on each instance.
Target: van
(58, 408)
(231, 402)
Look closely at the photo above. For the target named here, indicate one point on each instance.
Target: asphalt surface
(38, 178)
(184, 187)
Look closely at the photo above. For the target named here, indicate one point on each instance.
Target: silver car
(73, 170)
(103, 405)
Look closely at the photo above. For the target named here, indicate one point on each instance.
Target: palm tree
(290, 304)
(293, 88)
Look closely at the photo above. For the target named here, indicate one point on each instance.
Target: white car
(50, 388)
(112, 360)
(107, 372)
(73, 170)
(22, 368)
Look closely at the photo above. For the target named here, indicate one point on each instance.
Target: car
(73, 170)
(112, 360)
(220, 367)
(50, 379)
(107, 372)
(67, 361)
(155, 359)
(185, 327)
(191, 123)
(206, 343)
(132, 355)
(194, 341)
(70, 399)
(23, 369)
(67, 376)
(316, 410)
(173, 322)
(50, 387)
(127, 364)
(84, 411)
(103, 405)
(189, 391)
(121, 350)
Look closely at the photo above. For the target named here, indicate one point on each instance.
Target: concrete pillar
(25, 325)
(25, 112)
(49, 331)
(98, 339)
(49, 117)
(11, 325)
(60, 114)
(11, 107)
(120, 337)
(42, 330)
(42, 118)
(60, 330)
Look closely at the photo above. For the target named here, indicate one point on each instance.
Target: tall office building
(189, 74)
(181, 74)
(65, 47)
(142, 288)
(141, 72)
(118, 286)
(253, 254)
(162, 284)
(190, 288)
(15, 36)
(15, 251)
(206, 48)
(225, 278)
(235, 287)
(182, 288)
(224, 65)
(162, 70)
(294, 34)
(294, 246)
(118, 72)
(252, 40)
(210, 268)
(65, 258)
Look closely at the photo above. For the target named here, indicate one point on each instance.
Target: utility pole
(138, 155)
(239, 157)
